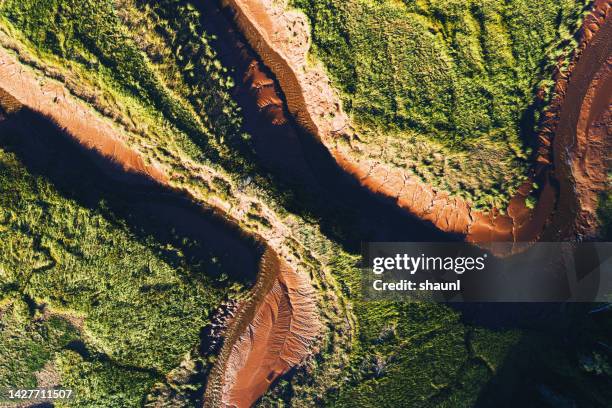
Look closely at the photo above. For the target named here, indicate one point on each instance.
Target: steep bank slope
(274, 338)
(282, 287)
(282, 40)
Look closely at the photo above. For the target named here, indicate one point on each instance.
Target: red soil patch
(257, 355)
(85, 125)
(273, 332)
(262, 87)
(582, 137)
(277, 337)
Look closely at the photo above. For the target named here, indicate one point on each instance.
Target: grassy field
(147, 65)
(144, 299)
(93, 37)
(38, 350)
(448, 88)
(429, 355)
(141, 303)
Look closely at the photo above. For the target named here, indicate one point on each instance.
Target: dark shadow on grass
(544, 369)
(314, 186)
(79, 347)
(211, 246)
(513, 315)
(305, 175)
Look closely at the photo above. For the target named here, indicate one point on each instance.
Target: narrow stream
(348, 212)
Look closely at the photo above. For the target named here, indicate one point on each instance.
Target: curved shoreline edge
(281, 287)
(265, 25)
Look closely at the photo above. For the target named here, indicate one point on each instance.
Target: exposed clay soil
(256, 353)
(270, 341)
(274, 330)
(50, 99)
(275, 339)
(584, 131)
(269, 335)
(281, 39)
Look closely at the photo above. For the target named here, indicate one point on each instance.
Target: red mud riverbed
(279, 38)
(584, 131)
(50, 99)
(256, 356)
(274, 330)
(276, 338)
(253, 361)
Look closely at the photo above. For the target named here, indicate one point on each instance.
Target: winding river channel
(275, 330)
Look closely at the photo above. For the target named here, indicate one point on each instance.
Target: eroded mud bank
(283, 301)
(149, 208)
(275, 339)
(583, 135)
(281, 38)
(274, 330)
(271, 335)
(261, 23)
(298, 162)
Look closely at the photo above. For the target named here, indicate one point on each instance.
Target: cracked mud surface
(281, 39)
(275, 331)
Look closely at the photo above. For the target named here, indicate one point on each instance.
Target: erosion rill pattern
(277, 336)
(253, 351)
(275, 329)
(262, 88)
(281, 38)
